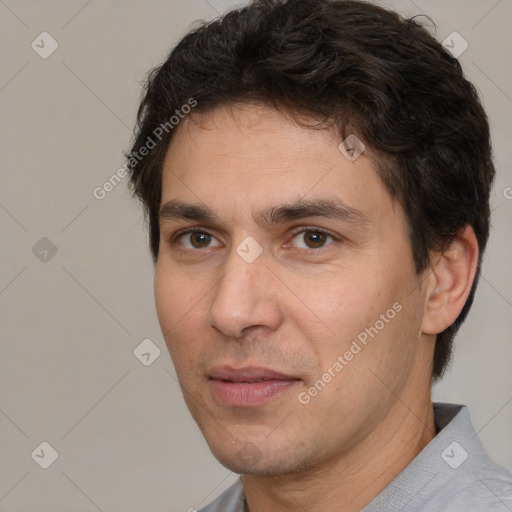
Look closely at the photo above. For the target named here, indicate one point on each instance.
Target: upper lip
(247, 374)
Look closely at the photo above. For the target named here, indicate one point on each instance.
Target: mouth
(248, 386)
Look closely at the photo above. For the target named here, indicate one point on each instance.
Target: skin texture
(298, 306)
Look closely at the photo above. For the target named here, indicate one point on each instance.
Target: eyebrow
(327, 208)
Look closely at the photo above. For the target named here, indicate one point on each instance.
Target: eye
(313, 238)
(195, 239)
(307, 238)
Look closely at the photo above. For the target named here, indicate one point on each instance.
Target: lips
(249, 386)
(248, 374)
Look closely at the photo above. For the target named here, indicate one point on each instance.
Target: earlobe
(452, 274)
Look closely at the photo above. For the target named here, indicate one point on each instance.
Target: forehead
(252, 154)
(261, 129)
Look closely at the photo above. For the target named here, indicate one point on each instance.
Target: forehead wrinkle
(271, 216)
(328, 208)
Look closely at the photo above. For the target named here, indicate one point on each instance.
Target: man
(316, 176)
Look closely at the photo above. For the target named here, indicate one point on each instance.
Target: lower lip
(243, 394)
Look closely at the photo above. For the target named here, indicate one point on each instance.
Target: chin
(249, 459)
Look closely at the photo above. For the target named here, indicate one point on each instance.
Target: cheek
(165, 300)
(178, 295)
(360, 305)
(345, 303)
(178, 310)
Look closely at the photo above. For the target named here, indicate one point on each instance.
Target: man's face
(292, 330)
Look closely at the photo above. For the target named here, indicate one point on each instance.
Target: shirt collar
(455, 447)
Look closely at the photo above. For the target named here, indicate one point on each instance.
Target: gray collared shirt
(451, 474)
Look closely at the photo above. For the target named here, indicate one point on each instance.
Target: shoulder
(484, 489)
(453, 473)
(472, 481)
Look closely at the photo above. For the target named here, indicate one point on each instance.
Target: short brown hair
(364, 70)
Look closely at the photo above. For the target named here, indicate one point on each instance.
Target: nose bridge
(240, 275)
(243, 297)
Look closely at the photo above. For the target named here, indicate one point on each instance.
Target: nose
(247, 296)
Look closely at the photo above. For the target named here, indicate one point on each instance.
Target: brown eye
(197, 240)
(312, 239)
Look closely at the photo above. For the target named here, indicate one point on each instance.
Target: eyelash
(298, 231)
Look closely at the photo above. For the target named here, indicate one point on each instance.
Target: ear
(452, 275)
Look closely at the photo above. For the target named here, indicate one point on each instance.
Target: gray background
(69, 325)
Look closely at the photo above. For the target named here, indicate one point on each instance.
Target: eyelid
(302, 229)
(186, 231)
(296, 231)
(315, 229)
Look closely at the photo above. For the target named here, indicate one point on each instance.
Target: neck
(354, 479)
